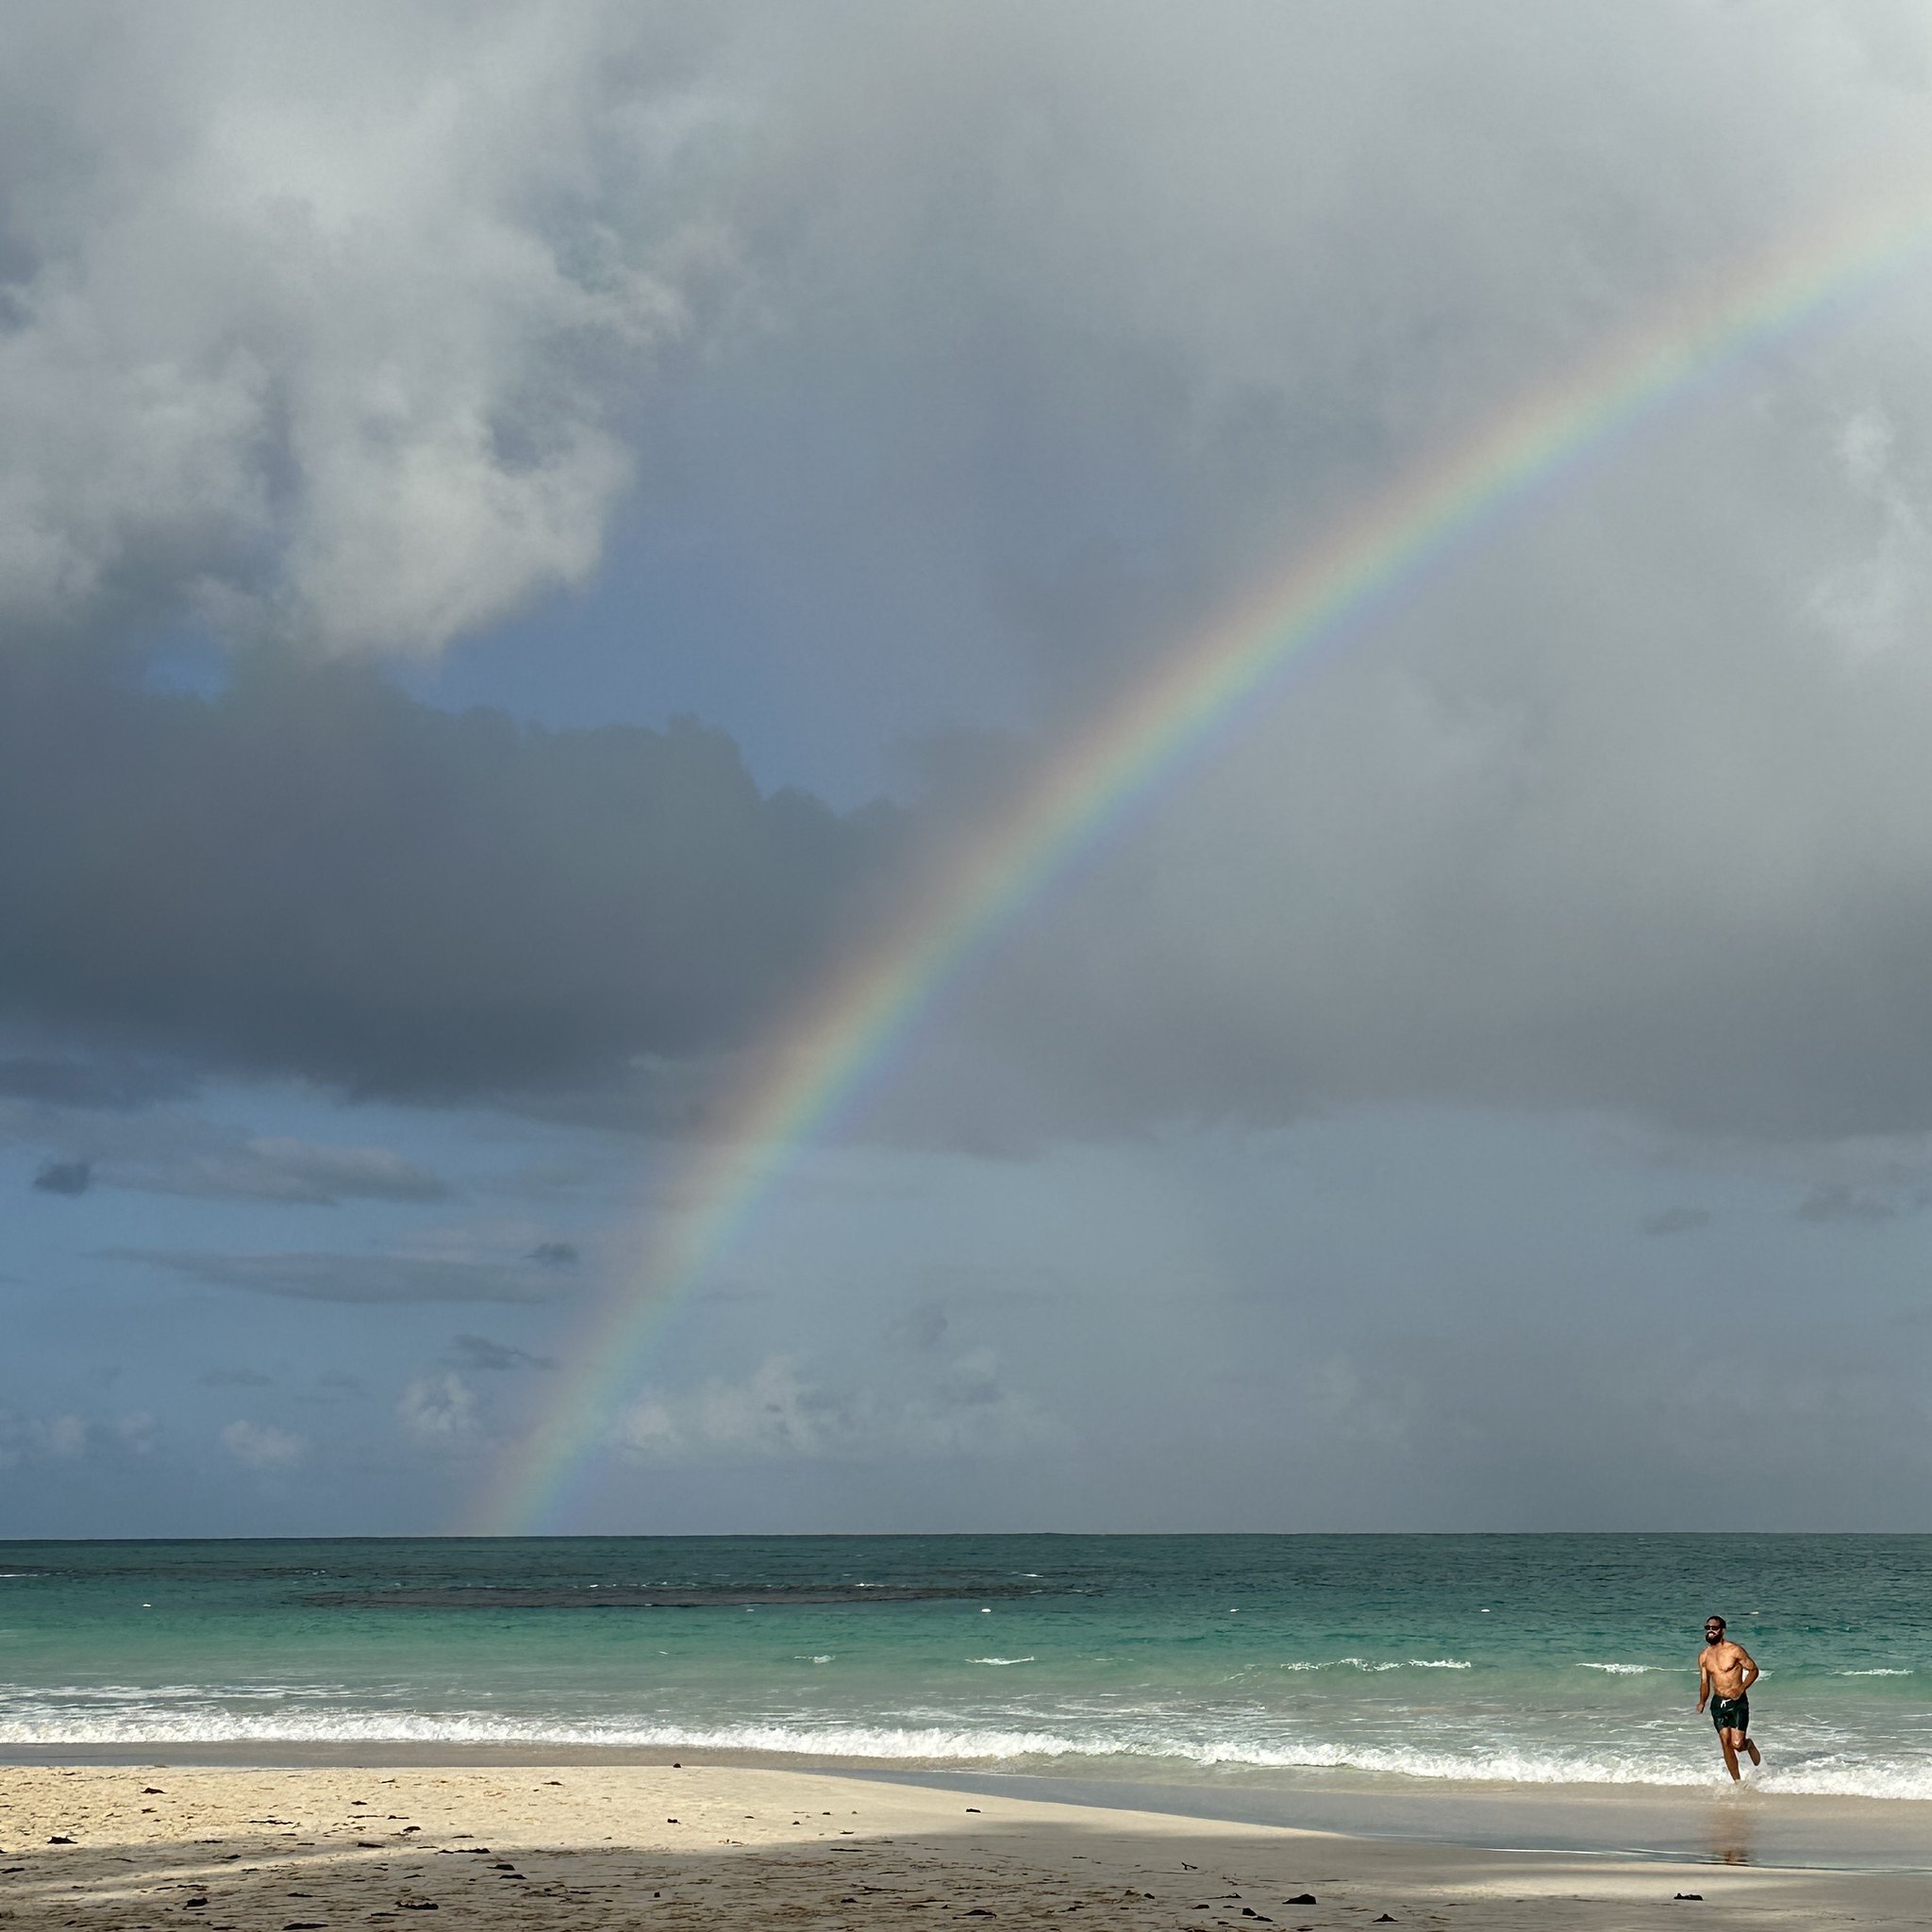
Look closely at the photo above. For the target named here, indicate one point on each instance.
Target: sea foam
(1040, 1749)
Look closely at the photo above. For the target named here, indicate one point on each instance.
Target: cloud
(1030, 384)
(47, 1441)
(1831, 1201)
(478, 907)
(439, 1409)
(478, 1351)
(262, 1446)
(1563, 824)
(40, 1439)
(554, 1254)
(367, 1279)
(278, 1169)
(358, 383)
(1677, 1220)
(137, 1432)
(328, 393)
(171, 1151)
(780, 1414)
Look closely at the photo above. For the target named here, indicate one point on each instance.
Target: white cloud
(277, 1168)
(61, 1435)
(329, 327)
(439, 1409)
(1870, 602)
(778, 1414)
(262, 1446)
(137, 1431)
(68, 1438)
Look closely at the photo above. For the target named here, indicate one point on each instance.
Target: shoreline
(307, 1849)
(1683, 1825)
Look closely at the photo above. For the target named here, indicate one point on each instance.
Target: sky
(529, 537)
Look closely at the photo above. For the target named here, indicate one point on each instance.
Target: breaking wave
(1362, 1663)
(157, 1722)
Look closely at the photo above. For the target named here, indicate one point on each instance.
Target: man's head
(1713, 1629)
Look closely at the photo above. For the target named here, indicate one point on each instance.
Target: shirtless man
(1724, 1674)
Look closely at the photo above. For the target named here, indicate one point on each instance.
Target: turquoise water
(1564, 1659)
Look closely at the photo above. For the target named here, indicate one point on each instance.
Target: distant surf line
(842, 1034)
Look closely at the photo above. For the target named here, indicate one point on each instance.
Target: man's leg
(1726, 1742)
(1745, 1743)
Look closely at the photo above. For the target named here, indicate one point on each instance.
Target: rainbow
(840, 1037)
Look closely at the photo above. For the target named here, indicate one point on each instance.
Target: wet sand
(594, 1846)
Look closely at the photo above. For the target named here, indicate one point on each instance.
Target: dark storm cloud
(64, 1177)
(554, 1254)
(1612, 814)
(364, 1279)
(312, 874)
(1110, 312)
(965, 359)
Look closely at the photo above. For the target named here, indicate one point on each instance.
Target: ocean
(1200, 1661)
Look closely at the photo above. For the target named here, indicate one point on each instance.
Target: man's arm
(1751, 1671)
(1703, 1680)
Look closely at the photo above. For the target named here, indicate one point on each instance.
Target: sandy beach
(290, 1849)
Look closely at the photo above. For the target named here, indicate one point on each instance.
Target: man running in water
(1724, 1674)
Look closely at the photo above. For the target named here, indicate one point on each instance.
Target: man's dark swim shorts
(1731, 1713)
